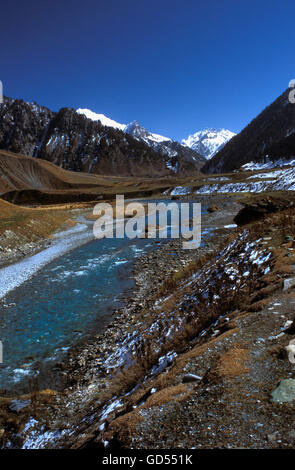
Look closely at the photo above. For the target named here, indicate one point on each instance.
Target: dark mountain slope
(76, 143)
(178, 153)
(23, 126)
(271, 133)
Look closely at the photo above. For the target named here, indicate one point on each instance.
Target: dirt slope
(27, 180)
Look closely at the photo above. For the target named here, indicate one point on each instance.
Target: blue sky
(175, 66)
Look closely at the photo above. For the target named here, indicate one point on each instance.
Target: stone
(272, 437)
(288, 283)
(212, 209)
(285, 392)
(191, 378)
(18, 405)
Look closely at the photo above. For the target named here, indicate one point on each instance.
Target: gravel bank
(17, 273)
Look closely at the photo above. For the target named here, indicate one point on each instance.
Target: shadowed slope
(271, 133)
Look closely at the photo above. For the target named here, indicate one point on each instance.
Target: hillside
(29, 180)
(270, 133)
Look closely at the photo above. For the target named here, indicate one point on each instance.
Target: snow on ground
(268, 164)
(180, 191)
(110, 408)
(218, 178)
(232, 188)
(279, 180)
(38, 438)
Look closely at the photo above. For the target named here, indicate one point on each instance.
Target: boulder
(288, 283)
(212, 209)
(259, 209)
(285, 392)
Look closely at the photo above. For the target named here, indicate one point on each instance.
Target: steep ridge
(180, 156)
(177, 152)
(76, 143)
(271, 133)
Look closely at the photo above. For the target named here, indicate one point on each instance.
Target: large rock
(285, 391)
(212, 209)
(257, 210)
(288, 283)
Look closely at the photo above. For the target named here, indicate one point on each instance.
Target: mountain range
(206, 142)
(84, 141)
(74, 142)
(88, 142)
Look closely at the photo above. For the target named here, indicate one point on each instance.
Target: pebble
(191, 378)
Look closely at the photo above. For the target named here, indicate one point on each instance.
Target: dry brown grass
(124, 426)
(32, 224)
(20, 173)
(232, 362)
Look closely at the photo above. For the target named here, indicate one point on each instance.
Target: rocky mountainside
(75, 142)
(271, 134)
(208, 141)
(164, 145)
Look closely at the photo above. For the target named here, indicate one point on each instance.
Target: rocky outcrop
(259, 209)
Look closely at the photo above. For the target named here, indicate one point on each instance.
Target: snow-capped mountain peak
(140, 133)
(105, 121)
(133, 128)
(208, 141)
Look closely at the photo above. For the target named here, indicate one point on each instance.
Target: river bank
(208, 358)
(87, 369)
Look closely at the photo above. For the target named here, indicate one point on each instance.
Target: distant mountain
(165, 146)
(271, 135)
(208, 141)
(74, 142)
(177, 153)
(140, 133)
